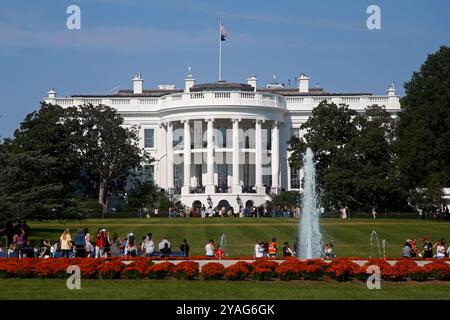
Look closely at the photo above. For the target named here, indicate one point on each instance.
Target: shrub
(111, 269)
(438, 270)
(213, 271)
(417, 273)
(237, 271)
(313, 269)
(289, 270)
(262, 273)
(186, 270)
(265, 263)
(342, 270)
(133, 272)
(160, 270)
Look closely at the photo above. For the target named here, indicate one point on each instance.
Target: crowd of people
(84, 245)
(429, 250)
(229, 212)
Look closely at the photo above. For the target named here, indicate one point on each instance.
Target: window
(295, 178)
(295, 132)
(269, 139)
(149, 173)
(149, 139)
(222, 175)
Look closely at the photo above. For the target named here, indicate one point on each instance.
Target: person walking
(66, 243)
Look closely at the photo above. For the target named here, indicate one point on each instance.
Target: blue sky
(328, 40)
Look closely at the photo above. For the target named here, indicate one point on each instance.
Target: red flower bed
(438, 270)
(111, 269)
(160, 270)
(238, 271)
(342, 269)
(313, 269)
(265, 263)
(213, 271)
(289, 270)
(133, 272)
(186, 270)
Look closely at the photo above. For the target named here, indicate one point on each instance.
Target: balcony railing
(223, 189)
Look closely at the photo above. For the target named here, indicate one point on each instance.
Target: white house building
(222, 143)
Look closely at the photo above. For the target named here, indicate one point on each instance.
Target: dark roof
(221, 86)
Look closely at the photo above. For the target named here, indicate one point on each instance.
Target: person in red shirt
(100, 243)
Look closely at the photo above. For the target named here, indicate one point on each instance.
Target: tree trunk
(103, 195)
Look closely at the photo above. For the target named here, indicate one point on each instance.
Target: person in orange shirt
(273, 248)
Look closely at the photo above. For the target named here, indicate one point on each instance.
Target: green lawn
(350, 237)
(216, 290)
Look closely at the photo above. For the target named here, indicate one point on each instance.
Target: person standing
(156, 212)
(374, 213)
(87, 243)
(427, 248)
(80, 244)
(148, 246)
(184, 247)
(114, 245)
(273, 248)
(100, 243)
(259, 250)
(66, 243)
(19, 240)
(209, 249)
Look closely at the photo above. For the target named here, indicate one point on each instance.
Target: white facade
(222, 141)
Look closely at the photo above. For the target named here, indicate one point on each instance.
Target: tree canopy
(354, 154)
(57, 152)
(424, 128)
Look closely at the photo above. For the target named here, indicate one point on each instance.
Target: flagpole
(220, 50)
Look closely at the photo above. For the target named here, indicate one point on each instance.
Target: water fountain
(310, 239)
(373, 235)
(223, 244)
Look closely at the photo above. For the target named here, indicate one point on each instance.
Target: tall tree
(109, 152)
(30, 188)
(329, 131)
(356, 161)
(424, 126)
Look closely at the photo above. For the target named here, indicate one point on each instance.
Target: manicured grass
(216, 290)
(350, 237)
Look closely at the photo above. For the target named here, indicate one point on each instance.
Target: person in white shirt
(210, 250)
(156, 212)
(440, 249)
(259, 250)
(163, 242)
(148, 247)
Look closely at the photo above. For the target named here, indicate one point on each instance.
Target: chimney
(252, 81)
(51, 94)
(189, 81)
(303, 83)
(137, 83)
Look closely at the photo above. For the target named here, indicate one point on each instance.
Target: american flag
(223, 33)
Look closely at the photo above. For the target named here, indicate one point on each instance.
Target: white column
(275, 157)
(169, 152)
(187, 158)
(237, 188)
(209, 187)
(258, 157)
